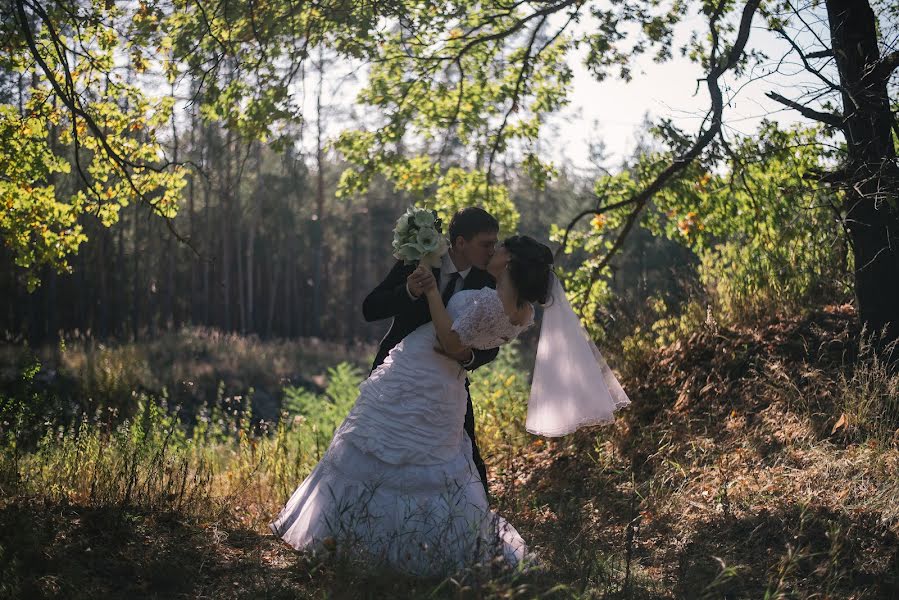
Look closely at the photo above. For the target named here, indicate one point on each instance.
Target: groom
(473, 236)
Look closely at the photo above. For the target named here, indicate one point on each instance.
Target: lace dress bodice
(481, 321)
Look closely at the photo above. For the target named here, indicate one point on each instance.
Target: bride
(397, 486)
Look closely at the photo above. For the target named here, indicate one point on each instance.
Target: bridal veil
(573, 386)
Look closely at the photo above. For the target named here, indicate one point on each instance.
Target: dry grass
(191, 366)
(730, 476)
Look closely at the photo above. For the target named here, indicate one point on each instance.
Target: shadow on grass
(795, 551)
(64, 551)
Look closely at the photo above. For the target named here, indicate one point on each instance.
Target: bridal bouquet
(417, 237)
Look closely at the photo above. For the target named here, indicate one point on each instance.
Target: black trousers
(475, 453)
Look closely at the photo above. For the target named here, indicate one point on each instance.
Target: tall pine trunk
(192, 316)
(318, 220)
(225, 266)
(254, 210)
(136, 278)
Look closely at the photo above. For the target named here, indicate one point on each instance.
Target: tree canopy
(460, 92)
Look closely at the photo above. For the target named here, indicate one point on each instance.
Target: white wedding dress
(397, 485)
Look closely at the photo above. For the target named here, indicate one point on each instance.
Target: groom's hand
(463, 356)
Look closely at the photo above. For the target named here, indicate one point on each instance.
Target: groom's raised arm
(390, 297)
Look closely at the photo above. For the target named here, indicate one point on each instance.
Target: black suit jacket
(390, 300)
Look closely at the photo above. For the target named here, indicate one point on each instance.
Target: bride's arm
(443, 323)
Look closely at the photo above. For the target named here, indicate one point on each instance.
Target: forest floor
(746, 467)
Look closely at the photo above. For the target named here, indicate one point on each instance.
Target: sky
(613, 110)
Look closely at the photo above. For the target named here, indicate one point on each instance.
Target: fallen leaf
(841, 422)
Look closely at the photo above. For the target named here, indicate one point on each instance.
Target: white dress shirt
(447, 268)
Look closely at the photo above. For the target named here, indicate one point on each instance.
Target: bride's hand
(425, 278)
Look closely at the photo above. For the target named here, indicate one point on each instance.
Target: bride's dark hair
(529, 267)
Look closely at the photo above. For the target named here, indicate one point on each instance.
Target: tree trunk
(318, 218)
(871, 191)
(135, 273)
(169, 317)
(121, 304)
(105, 300)
(272, 297)
(254, 210)
(208, 263)
(52, 317)
(192, 316)
(287, 320)
(225, 266)
(237, 222)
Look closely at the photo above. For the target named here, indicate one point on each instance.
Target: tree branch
(517, 26)
(590, 211)
(71, 101)
(839, 176)
(804, 58)
(830, 119)
(884, 68)
(705, 137)
(455, 118)
(516, 94)
(820, 54)
(890, 61)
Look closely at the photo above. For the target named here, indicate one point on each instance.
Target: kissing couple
(402, 484)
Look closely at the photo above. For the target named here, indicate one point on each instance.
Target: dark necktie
(450, 287)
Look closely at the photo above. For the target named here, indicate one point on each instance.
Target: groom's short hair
(470, 221)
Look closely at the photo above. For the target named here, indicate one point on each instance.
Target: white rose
(427, 240)
(424, 218)
(402, 224)
(408, 252)
(432, 259)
